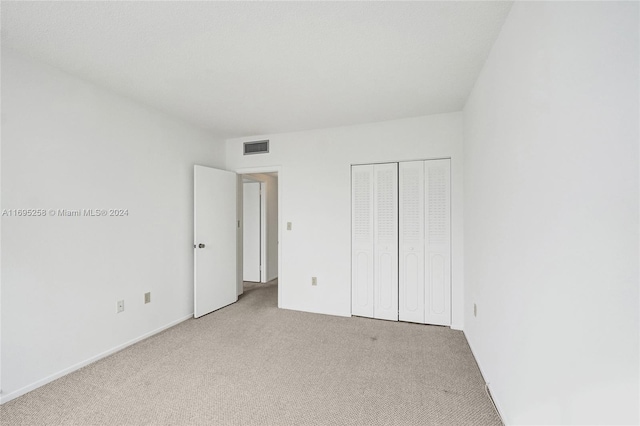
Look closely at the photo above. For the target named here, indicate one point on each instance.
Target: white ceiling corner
(248, 68)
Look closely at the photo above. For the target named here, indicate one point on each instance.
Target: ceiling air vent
(259, 147)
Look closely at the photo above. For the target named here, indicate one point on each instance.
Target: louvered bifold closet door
(362, 240)
(385, 247)
(411, 237)
(438, 242)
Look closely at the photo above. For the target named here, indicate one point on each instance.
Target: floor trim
(487, 384)
(64, 372)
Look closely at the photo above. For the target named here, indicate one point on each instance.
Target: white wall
(551, 214)
(315, 196)
(69, 145)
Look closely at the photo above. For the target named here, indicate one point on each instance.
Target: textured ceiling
(239, 68)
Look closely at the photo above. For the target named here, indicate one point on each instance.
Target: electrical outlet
(314, 280)
(147, 297)
(120, 306)
(475, 310)
(288, 226)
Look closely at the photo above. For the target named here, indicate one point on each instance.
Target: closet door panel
(362, 241)
(437, 292)
(411, 241)
(385, 231)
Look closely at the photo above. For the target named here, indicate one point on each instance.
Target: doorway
(260, 230)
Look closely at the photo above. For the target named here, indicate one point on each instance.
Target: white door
(264, 231)
(251, 233)
(438, 242)
(214, 239)
(362, 241)
(385, 234)
(411, 250)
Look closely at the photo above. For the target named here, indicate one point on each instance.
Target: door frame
(278, 170)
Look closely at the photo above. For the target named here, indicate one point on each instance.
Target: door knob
(200, 245)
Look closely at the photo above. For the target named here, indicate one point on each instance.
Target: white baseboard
(496, 403)
(51, 378)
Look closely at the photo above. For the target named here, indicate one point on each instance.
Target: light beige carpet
(253, 364)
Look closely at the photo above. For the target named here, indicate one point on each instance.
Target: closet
(401, 241)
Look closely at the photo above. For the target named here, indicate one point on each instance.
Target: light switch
(288, 226)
